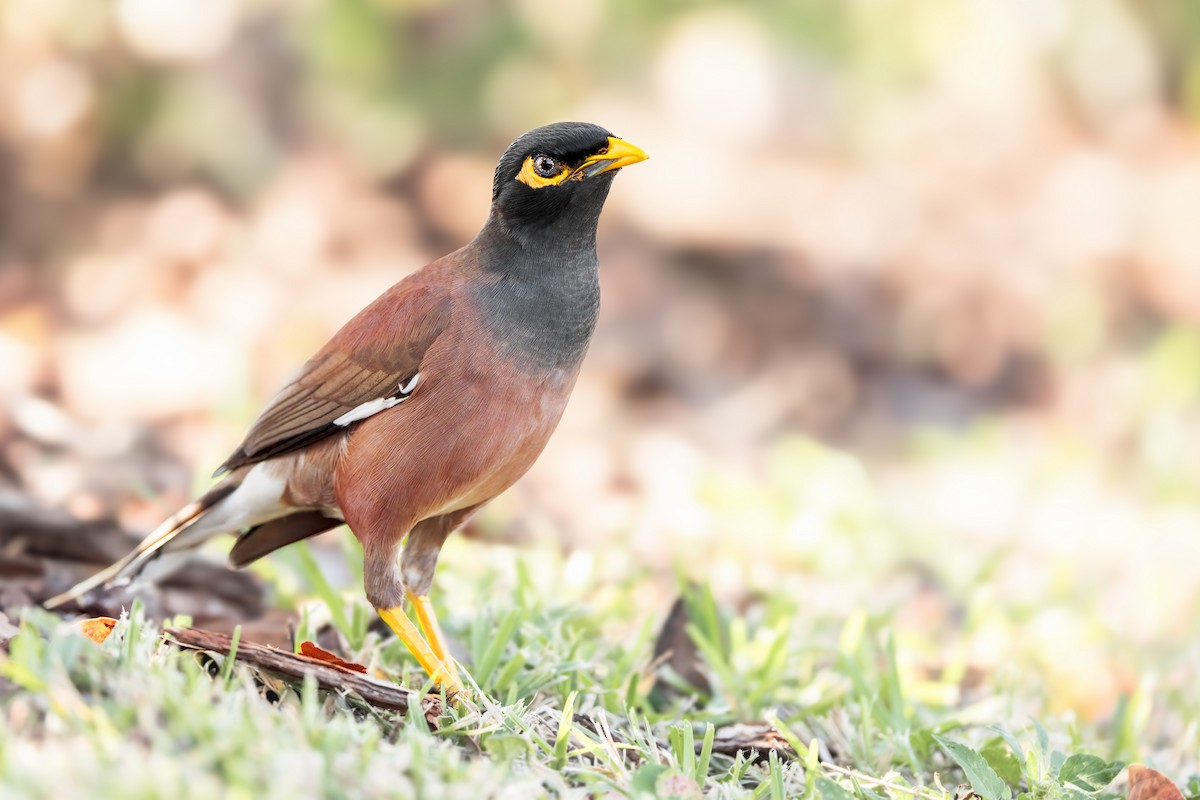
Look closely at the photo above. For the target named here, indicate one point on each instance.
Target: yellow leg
(433, 631)
(443, 676)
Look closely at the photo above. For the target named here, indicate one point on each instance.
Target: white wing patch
(372, 407)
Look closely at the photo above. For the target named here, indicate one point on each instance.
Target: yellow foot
(443, 676)
(433, 631)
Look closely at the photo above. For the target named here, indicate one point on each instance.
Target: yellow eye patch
(530, 177)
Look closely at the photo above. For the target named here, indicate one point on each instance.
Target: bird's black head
(557, 177)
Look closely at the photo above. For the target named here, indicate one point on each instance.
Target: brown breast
(475, 423)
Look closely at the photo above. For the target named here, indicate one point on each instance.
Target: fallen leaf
(676, 649)
(320, 654)
(98, 628)
(1150, 784)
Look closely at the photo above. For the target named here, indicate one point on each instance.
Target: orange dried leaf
(98, 629)
(1150, 784)
(312, 651)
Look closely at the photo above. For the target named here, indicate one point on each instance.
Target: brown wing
(369, 359)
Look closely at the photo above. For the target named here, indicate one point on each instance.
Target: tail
(153, 545)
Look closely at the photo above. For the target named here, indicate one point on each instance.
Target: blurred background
(903, 315)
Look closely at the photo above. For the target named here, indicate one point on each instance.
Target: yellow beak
(619, 153)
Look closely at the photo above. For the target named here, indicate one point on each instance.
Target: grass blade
(563, 738)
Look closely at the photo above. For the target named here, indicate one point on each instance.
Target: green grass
(136, 718)
(872, 700)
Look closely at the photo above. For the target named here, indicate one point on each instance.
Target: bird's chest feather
(507, 414)
(475, 423)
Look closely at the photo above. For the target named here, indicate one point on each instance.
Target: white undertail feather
(257, 499)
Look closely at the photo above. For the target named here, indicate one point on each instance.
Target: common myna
(431, 401)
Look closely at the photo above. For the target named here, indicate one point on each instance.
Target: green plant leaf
(1000, 757)
(1089, 773)
(1013, 741)
(983, 779)
(1043, 739)
(829, 790)
(644, 779)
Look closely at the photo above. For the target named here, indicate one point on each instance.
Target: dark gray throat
(542, 301)
(544, 312)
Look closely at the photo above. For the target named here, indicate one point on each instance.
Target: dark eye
(545, 166)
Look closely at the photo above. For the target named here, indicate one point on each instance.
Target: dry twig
(330, 677)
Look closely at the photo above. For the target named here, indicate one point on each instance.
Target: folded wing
(346, 382)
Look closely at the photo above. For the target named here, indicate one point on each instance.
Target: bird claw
(432, 655)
